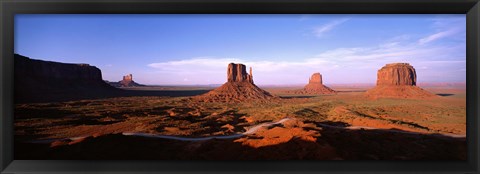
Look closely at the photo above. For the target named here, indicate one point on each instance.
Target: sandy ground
(343, 126)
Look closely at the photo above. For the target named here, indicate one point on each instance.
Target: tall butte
(239, 87)
(397, 80)
(315, 86)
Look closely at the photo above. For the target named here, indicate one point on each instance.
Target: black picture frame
(9, 8)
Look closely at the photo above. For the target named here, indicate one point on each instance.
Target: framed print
(227, 86)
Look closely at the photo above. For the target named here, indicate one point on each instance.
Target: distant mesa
(239, 87)
(127, 81)
(315, 86)
(397, 80)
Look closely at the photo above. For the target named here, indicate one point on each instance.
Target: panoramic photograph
(239, 87)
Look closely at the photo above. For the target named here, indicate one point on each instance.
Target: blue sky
(282, 49)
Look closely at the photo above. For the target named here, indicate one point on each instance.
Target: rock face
(47, 71)
(38, 79)
(127, 81)
(238, 73)
(239, 87)
(128, 77)
(316, 78)
(315, 86)
(397, 74)
(397, 80)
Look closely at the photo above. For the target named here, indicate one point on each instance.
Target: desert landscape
(240, 87)
(68, 111)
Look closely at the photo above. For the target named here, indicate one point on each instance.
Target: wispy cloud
(445, 28)
(322, 30)
(439, 35)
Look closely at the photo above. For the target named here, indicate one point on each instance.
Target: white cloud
(321, 30)
(445, 27)
(439, 35)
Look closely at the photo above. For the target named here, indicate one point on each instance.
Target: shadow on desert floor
(102, 94)
(290, 97)
(445, 95)
(333, 143)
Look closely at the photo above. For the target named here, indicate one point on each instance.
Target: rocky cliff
(316, 78)
(38, 80)
(397, 80)
(397, 74)
(238, 73)
(239, 87)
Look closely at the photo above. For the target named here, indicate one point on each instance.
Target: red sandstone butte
(397, 80)
(315, 86)
(239, 87)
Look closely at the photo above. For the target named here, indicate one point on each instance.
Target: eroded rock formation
(38, 80)
(397, 80)
(315, 86)
(127, 81)
(239, 87)
(238, 73)
(397, 74)
(316, 78)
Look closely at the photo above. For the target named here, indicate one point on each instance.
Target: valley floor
(343, 126)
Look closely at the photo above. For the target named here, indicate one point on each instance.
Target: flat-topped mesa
(397, 74)
(238, 73)
(316, 78)
(239, 87)
(397, 80)
(47, 81)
